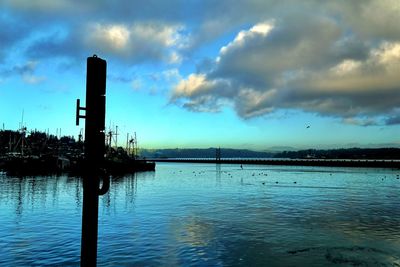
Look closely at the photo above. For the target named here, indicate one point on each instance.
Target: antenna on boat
(135, 148)
(80, 136)
(127, 143)
(10, 144)
(22, 119)
(132, 146)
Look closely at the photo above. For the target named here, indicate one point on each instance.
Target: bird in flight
(308, 126)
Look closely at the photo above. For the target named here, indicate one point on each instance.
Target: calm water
(208, 215)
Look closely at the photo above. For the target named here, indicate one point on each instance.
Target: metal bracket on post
(78, 109)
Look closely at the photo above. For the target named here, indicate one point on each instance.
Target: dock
(360, 163)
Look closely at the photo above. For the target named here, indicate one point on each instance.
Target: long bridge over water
(363, 163)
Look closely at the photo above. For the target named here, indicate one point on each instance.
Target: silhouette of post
(94, 156)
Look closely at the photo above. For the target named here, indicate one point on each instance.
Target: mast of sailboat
(135, 148)
(127, 143)
(116, 136)
(110, 133)
(22, 133)
(10, 144)
(80, 136)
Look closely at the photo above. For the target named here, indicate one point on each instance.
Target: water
(208, 215)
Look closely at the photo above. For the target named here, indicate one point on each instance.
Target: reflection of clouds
(197, 240)
(220, 243)
(193, 231)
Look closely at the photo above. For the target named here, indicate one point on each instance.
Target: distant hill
(274, 149)
(344, 153)
(203, 153)
(40, 143)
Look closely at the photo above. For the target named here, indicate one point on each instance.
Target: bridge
(361, 163)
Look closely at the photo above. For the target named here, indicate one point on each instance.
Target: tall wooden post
(94, 156)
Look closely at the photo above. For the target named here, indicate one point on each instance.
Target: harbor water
(209, 215)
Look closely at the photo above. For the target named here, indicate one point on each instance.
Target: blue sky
(240, 74)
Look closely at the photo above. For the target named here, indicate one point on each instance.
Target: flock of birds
(264, 174)
(229, 174)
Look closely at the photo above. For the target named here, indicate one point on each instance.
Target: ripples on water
(208, 215)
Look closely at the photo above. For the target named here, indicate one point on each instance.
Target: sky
(254, 74)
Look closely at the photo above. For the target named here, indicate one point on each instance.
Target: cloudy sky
(231, 73)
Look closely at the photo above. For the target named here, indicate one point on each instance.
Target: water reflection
(33, 194)
(78, 194)
(122, 188)
(218, 174)
(185, 215)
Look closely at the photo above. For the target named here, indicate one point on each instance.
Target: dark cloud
(58, 44)
(100, 10)
(310, 61)
(331, 58)
(370, 19)
(132, 44)
(69, 28)
(26, 71)
(207, 20)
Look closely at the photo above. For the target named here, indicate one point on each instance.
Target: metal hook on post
(105, 185)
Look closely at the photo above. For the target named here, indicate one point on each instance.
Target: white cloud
(32, 79)
(175, 58)
(193, 84)
(345, 67)
(388, 53)
(115, 37)
(172, 75)
(137, 42)
(258, 30)
(136, 84)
